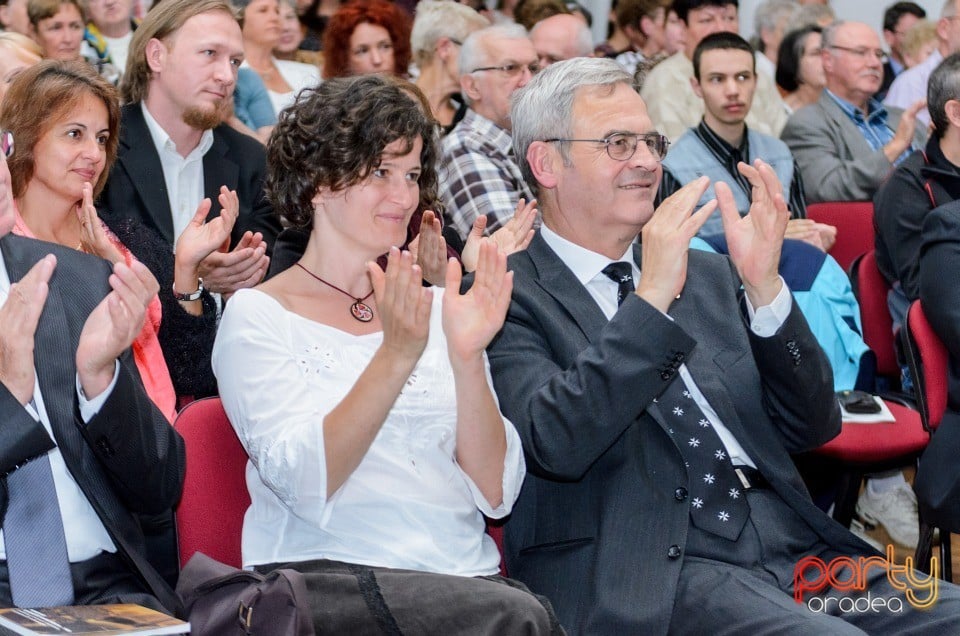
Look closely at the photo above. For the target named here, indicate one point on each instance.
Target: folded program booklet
(79, 620)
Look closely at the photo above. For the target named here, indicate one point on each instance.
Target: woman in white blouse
(362, 397)
(260, 21)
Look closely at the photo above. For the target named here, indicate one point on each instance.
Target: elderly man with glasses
(660, 392)
(479, 175)
(847, 142)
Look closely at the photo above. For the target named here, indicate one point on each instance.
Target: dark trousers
(747, 586)
(359, 600)
(104, 579)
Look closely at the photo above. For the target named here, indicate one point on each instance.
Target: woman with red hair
(367, 36)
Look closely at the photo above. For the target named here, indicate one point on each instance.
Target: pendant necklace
(359, 310)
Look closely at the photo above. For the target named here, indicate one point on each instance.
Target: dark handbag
(220, 599)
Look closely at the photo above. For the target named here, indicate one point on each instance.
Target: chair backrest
(927, 358)
(215, 497)
(871, 289)
(854, 223)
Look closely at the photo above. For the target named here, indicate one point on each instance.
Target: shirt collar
(162, 141)
(877, 114)
(584, 264)
(720, 145)
(488, 130)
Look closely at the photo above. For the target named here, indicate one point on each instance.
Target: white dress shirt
(183, 176)
(588, 267)
(85, 534)
(408, 504)
(910, 86)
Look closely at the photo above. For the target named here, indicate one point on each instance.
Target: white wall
(869, 11)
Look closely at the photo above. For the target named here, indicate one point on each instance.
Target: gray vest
(689, 158)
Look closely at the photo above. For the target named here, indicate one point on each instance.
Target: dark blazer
(136, 187)
(127, 459)
(602, 518)
(938, 474)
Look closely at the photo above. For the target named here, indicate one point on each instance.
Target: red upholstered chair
(215, 498)
(927, 358)
(854, 223)
(862, 449)
(871, 288)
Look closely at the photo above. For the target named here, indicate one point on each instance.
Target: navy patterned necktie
(717, 503)
(621, 273)
(37, 562)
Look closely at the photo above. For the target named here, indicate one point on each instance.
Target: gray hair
(810, 14)
(770, 13)
(949, 9)
(437, 19)
(543, 109)
(944, 85)
(829, 35)
(474, 54)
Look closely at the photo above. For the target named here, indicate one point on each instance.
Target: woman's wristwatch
(194, 295)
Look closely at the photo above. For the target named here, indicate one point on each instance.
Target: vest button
(674, 552)
(680, 494)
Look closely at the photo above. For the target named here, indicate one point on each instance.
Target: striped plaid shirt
(478, 175)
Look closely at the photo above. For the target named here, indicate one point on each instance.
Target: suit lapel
(556, 279)
(53, 357)
(218, 170)
(142, 164)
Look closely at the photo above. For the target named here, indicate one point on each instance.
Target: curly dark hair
(334, 136)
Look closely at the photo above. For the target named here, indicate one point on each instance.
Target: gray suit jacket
(127, 459)
(602, 519)
(835, 160)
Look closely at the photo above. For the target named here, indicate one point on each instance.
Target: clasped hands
(754, 241)
(470, 320)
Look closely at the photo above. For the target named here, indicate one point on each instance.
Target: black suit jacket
(127, 459)
(136, 188)
(601, 521)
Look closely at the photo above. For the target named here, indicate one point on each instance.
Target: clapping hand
(471, 320)
(113, 325)
(429, 249)
(755, 240)
(513, 236)
(201, 237)
(93, 236)
(403, 304)
(244, 266)
(666, 241)
(19, 317)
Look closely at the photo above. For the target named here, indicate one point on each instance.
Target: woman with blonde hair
(439, 29)
(17, 52)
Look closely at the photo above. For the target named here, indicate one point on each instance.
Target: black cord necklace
(359, 310)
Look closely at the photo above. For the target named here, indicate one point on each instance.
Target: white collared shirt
(588, 267)
(183, 176)
(85, 534)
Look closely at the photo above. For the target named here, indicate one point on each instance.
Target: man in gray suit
(77, 430)
(658, 422)
(847, 142)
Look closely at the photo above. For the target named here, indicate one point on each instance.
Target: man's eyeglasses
(511, 70)
(862, 52)
(6, 142)
(622, 146)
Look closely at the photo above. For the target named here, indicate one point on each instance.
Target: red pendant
(361, 311)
